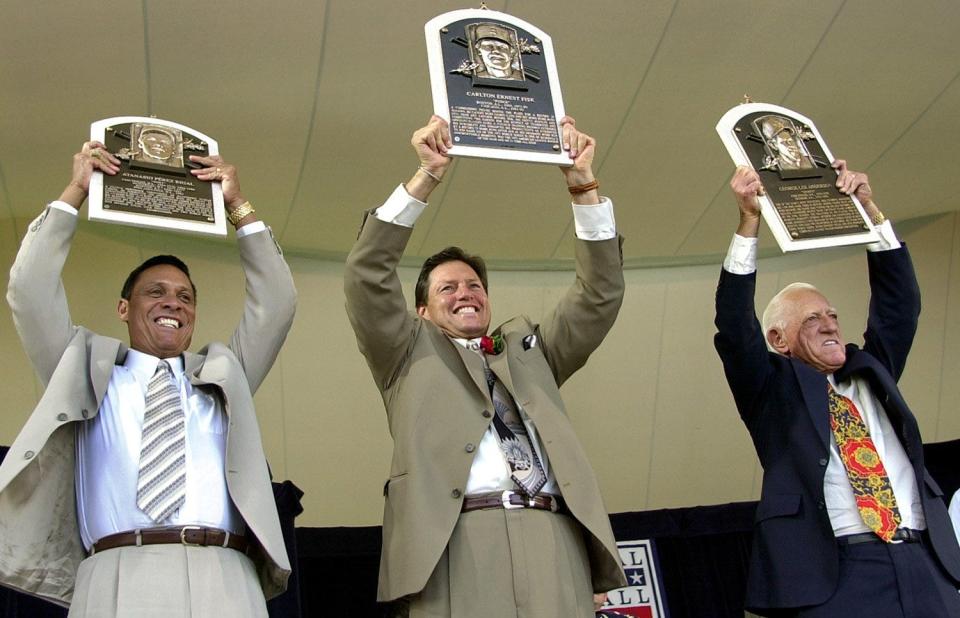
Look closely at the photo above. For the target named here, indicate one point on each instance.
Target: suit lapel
(466, 364)
(105, 354)
(885, 391)
(500, 363)
(813, 385)
(192, 366)
(473, 365)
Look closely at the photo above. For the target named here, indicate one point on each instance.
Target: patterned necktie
(871, 485)
(525, 468)
(162, 481)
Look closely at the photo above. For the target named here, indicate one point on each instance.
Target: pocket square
(530, 341)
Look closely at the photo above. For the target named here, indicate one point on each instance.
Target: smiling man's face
(457, 301)
(812, 332)
(161, 311)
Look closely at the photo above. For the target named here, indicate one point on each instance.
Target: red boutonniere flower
(491, 345)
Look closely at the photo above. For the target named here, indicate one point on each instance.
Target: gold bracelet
(237, 214)
(878, 218)
(587, 186)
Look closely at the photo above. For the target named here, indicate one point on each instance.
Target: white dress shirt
(741, 259)
(108, 456)
(108, 449)
(490, 471)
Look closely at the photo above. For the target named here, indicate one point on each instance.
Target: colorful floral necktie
(871, 485)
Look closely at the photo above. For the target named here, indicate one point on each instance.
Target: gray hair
(774, 316)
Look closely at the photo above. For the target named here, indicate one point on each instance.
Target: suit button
(821, 505)
(469, 448)
(455, 494)
(823, 462)
(486, 414)
(85, 413)
(28, 455)
(61, 417)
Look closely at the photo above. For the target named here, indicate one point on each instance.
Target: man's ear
(123, 308)
(778, 342)
(422, 312)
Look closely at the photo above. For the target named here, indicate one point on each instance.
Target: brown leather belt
(514, 500)
(907, 535)
(181, 535)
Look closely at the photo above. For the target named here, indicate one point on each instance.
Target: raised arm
(35, 292)
(894, 292)
(375, 303)
(271, 298)
(740, 340)
(585, 314)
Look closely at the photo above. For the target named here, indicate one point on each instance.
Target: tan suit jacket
(40, 546)
(435, 395)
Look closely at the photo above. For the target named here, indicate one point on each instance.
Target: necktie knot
(163, 369)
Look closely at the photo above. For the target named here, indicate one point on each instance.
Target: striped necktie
(871, 485)
(162, 479)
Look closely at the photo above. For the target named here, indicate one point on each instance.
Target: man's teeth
(466, 310)
(168, 322)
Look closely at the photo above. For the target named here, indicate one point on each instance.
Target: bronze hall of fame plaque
(494, 79)
(154, 187)
(802, 205)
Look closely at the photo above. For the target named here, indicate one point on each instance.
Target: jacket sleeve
(374, 298)
(585, 314)
(35, 292)
(894, 308)
(269, 305)
(740, 342)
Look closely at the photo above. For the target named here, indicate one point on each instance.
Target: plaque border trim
(729, 138)
(441, 105)
(96, 212)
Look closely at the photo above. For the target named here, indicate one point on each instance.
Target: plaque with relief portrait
(801, 205)
(494, 79)
(154, 187)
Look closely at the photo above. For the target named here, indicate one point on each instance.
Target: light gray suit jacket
(40, 546)
(435, 394)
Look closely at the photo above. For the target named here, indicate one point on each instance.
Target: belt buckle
(505, 500)
(183, 535)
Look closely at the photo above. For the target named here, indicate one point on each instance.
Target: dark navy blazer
(783, 402)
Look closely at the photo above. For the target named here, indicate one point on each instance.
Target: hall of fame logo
(642, 598)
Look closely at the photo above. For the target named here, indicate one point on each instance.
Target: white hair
(774, 316)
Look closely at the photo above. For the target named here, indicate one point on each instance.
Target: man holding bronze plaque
(130, 491)
(849, 522)
(491, 507)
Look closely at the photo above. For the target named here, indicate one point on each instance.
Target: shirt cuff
(595, 222)
(400, 208)
(251, 228)
(65, 207)
(888, 238)
(741, 256)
